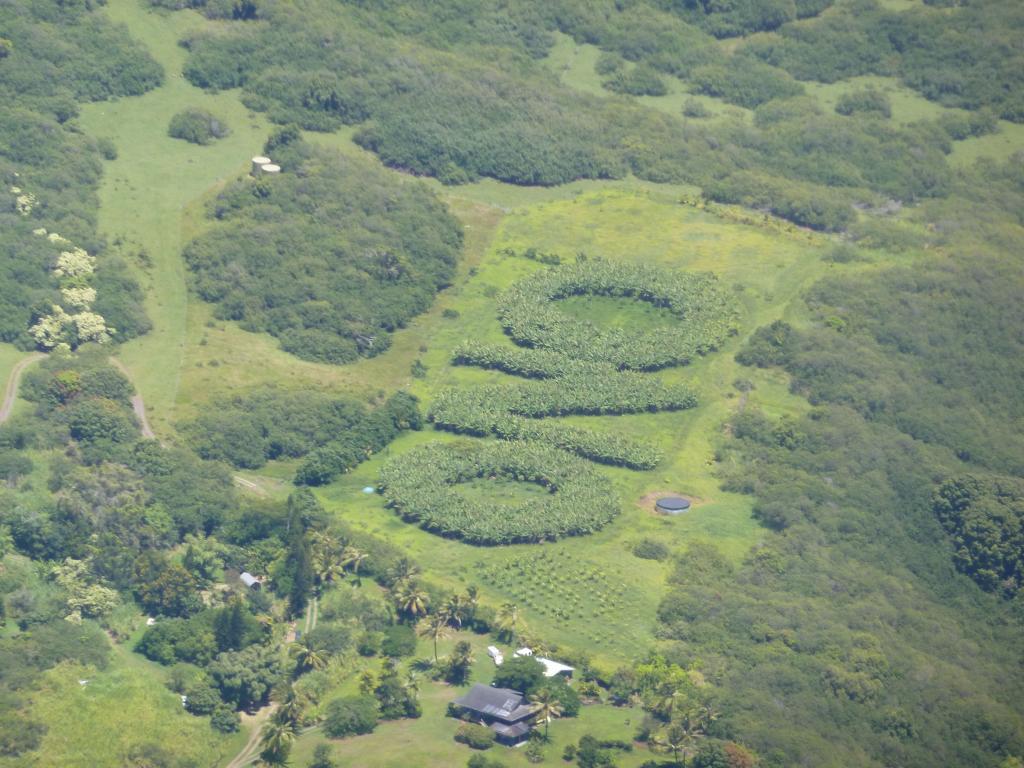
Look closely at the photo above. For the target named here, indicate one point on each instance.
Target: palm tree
(548, 707)
(459, 663)
(276, 742)
(671, 703)
(435, 628)
(324, 556)
(307, 656)
(350, 556)
(404, 570)
(454, 610)
(675, 738)
(508, 619)
(291, 707)
(410, 599)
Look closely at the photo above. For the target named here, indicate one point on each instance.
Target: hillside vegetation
(526, 268)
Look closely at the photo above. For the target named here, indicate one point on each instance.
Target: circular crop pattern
(705, 314)
(422, 485)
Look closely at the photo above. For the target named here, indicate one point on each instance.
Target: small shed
(555, 668)
(672, 505)
(251, 581)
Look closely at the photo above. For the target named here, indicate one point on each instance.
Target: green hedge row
(574, 395)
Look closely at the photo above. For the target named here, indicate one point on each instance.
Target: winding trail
(138, 404)
(251, 749)
(11, 391)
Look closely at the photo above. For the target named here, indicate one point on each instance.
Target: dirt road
(138, 405)
(11, 391)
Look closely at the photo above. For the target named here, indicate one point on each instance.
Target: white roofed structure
(555, 668)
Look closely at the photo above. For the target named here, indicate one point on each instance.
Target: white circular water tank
(257, 164)
(270, 168)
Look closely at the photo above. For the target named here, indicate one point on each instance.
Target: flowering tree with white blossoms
(74, 266)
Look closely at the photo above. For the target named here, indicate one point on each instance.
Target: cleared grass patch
(607, 312)
(144, 191)
(117, 713)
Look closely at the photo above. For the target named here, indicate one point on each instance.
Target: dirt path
(11, 391)
(251, 749)
(138, 405)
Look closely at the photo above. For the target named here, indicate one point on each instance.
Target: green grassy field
(118, 711)
(145, 190)
(767, 269)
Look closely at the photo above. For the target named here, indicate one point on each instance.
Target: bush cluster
(197, 126)
(330, 257)
(960, 57)
(54, 56)
(421, 485)
(333, 434)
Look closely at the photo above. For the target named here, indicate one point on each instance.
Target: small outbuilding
(555, 668)
(672, 505)
(252, 582)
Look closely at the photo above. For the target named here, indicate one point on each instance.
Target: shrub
(399, 640)
(813, 206)
(651, 549)
(351, 715)
(745, 81)
(480, 761)
(202, 699)
(225, 720)
(869, 101)
(197, 126)
(641, 80)
(334, 434)
(696, 109)
(107, 148)
(520, 673)
(475, 736)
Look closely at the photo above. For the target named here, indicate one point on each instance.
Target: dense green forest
(56, 55)
(328, 258)
(287, 457)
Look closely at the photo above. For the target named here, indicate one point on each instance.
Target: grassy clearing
(154, 177)
(120, 709)
(574, 65)
(1000, 146)
(500, 491)
(907, 105)
(766, 267)
(607, 312)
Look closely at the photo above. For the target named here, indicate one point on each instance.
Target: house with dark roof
(508, 713)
